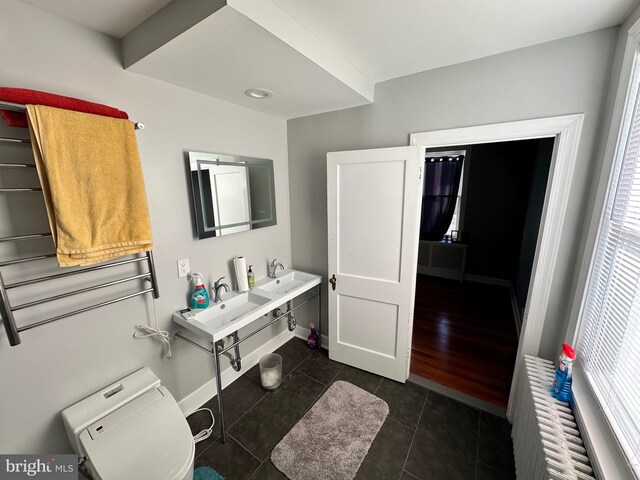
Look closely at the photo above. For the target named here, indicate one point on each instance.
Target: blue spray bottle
(200, 296)
(561, 387)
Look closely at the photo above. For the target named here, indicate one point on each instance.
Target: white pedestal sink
(232, 312)
(237, 310)
(285, 282)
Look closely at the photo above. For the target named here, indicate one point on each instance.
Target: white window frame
(607, 456)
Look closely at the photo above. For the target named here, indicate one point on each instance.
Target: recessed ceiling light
(258, 93)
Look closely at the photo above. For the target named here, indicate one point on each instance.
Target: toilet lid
(148, 440)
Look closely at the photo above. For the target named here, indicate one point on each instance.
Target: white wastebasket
(271, 371)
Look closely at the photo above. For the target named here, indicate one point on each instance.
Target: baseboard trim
(304, 333)
(489, 280)
(439, 272)
(206, 392)
(459, 396)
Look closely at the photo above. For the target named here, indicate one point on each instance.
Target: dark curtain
(439, 196)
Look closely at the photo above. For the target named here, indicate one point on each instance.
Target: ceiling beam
(166, 24)
(181, 15)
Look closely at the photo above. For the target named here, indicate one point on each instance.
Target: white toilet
(132, 429)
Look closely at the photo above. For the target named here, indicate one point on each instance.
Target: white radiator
(546, 440)
(441, 259)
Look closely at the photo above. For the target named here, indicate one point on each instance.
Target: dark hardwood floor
(464, 337)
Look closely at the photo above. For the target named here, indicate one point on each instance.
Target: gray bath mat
(332, 439)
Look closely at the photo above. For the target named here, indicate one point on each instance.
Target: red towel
(35, 97)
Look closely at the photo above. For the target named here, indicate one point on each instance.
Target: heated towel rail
(7, 309)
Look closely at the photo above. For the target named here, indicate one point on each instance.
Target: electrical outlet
(183, 267)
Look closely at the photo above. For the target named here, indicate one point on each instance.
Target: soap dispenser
(251, 278)
(199, 297)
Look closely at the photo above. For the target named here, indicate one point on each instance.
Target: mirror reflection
(231, 194)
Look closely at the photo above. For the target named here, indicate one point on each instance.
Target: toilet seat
(147, 438)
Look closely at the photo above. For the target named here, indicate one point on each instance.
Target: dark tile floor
(426, 436)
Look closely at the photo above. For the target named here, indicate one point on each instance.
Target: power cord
(144, 331)
(206, 433)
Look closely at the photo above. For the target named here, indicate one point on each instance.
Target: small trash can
(271, 371)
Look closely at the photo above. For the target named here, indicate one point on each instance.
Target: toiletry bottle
(561, 387)
(312, 340)
(251, 278)
(199, 297)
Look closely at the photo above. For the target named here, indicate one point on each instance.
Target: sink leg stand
(219, 348)
(215, 353)
(216, 357)
(319, 316)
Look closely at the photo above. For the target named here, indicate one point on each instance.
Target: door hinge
(420, 173)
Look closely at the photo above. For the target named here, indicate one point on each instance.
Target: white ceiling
(389, 39)
(325, 55)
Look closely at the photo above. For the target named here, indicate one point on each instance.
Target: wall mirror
(231, 194)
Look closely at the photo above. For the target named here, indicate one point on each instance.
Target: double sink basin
(236, 310)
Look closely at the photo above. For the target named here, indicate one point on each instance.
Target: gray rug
(333, 438)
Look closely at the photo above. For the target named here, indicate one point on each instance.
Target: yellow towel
(92, 182)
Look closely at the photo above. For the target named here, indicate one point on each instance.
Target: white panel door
(373, 201)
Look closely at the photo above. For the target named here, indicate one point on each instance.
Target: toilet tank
(130, 391)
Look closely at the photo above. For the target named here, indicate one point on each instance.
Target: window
(609, 332)
(443, 181)
(455, 220)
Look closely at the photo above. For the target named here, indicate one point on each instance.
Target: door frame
(566, 129)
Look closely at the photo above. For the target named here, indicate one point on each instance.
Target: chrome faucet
(274, 268)
(217, 286)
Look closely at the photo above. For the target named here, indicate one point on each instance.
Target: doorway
(470, 293)
(357, 213)
(566, 129)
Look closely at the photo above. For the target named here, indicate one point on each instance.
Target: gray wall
(561, 77)
(500, 177)
(60, 363)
